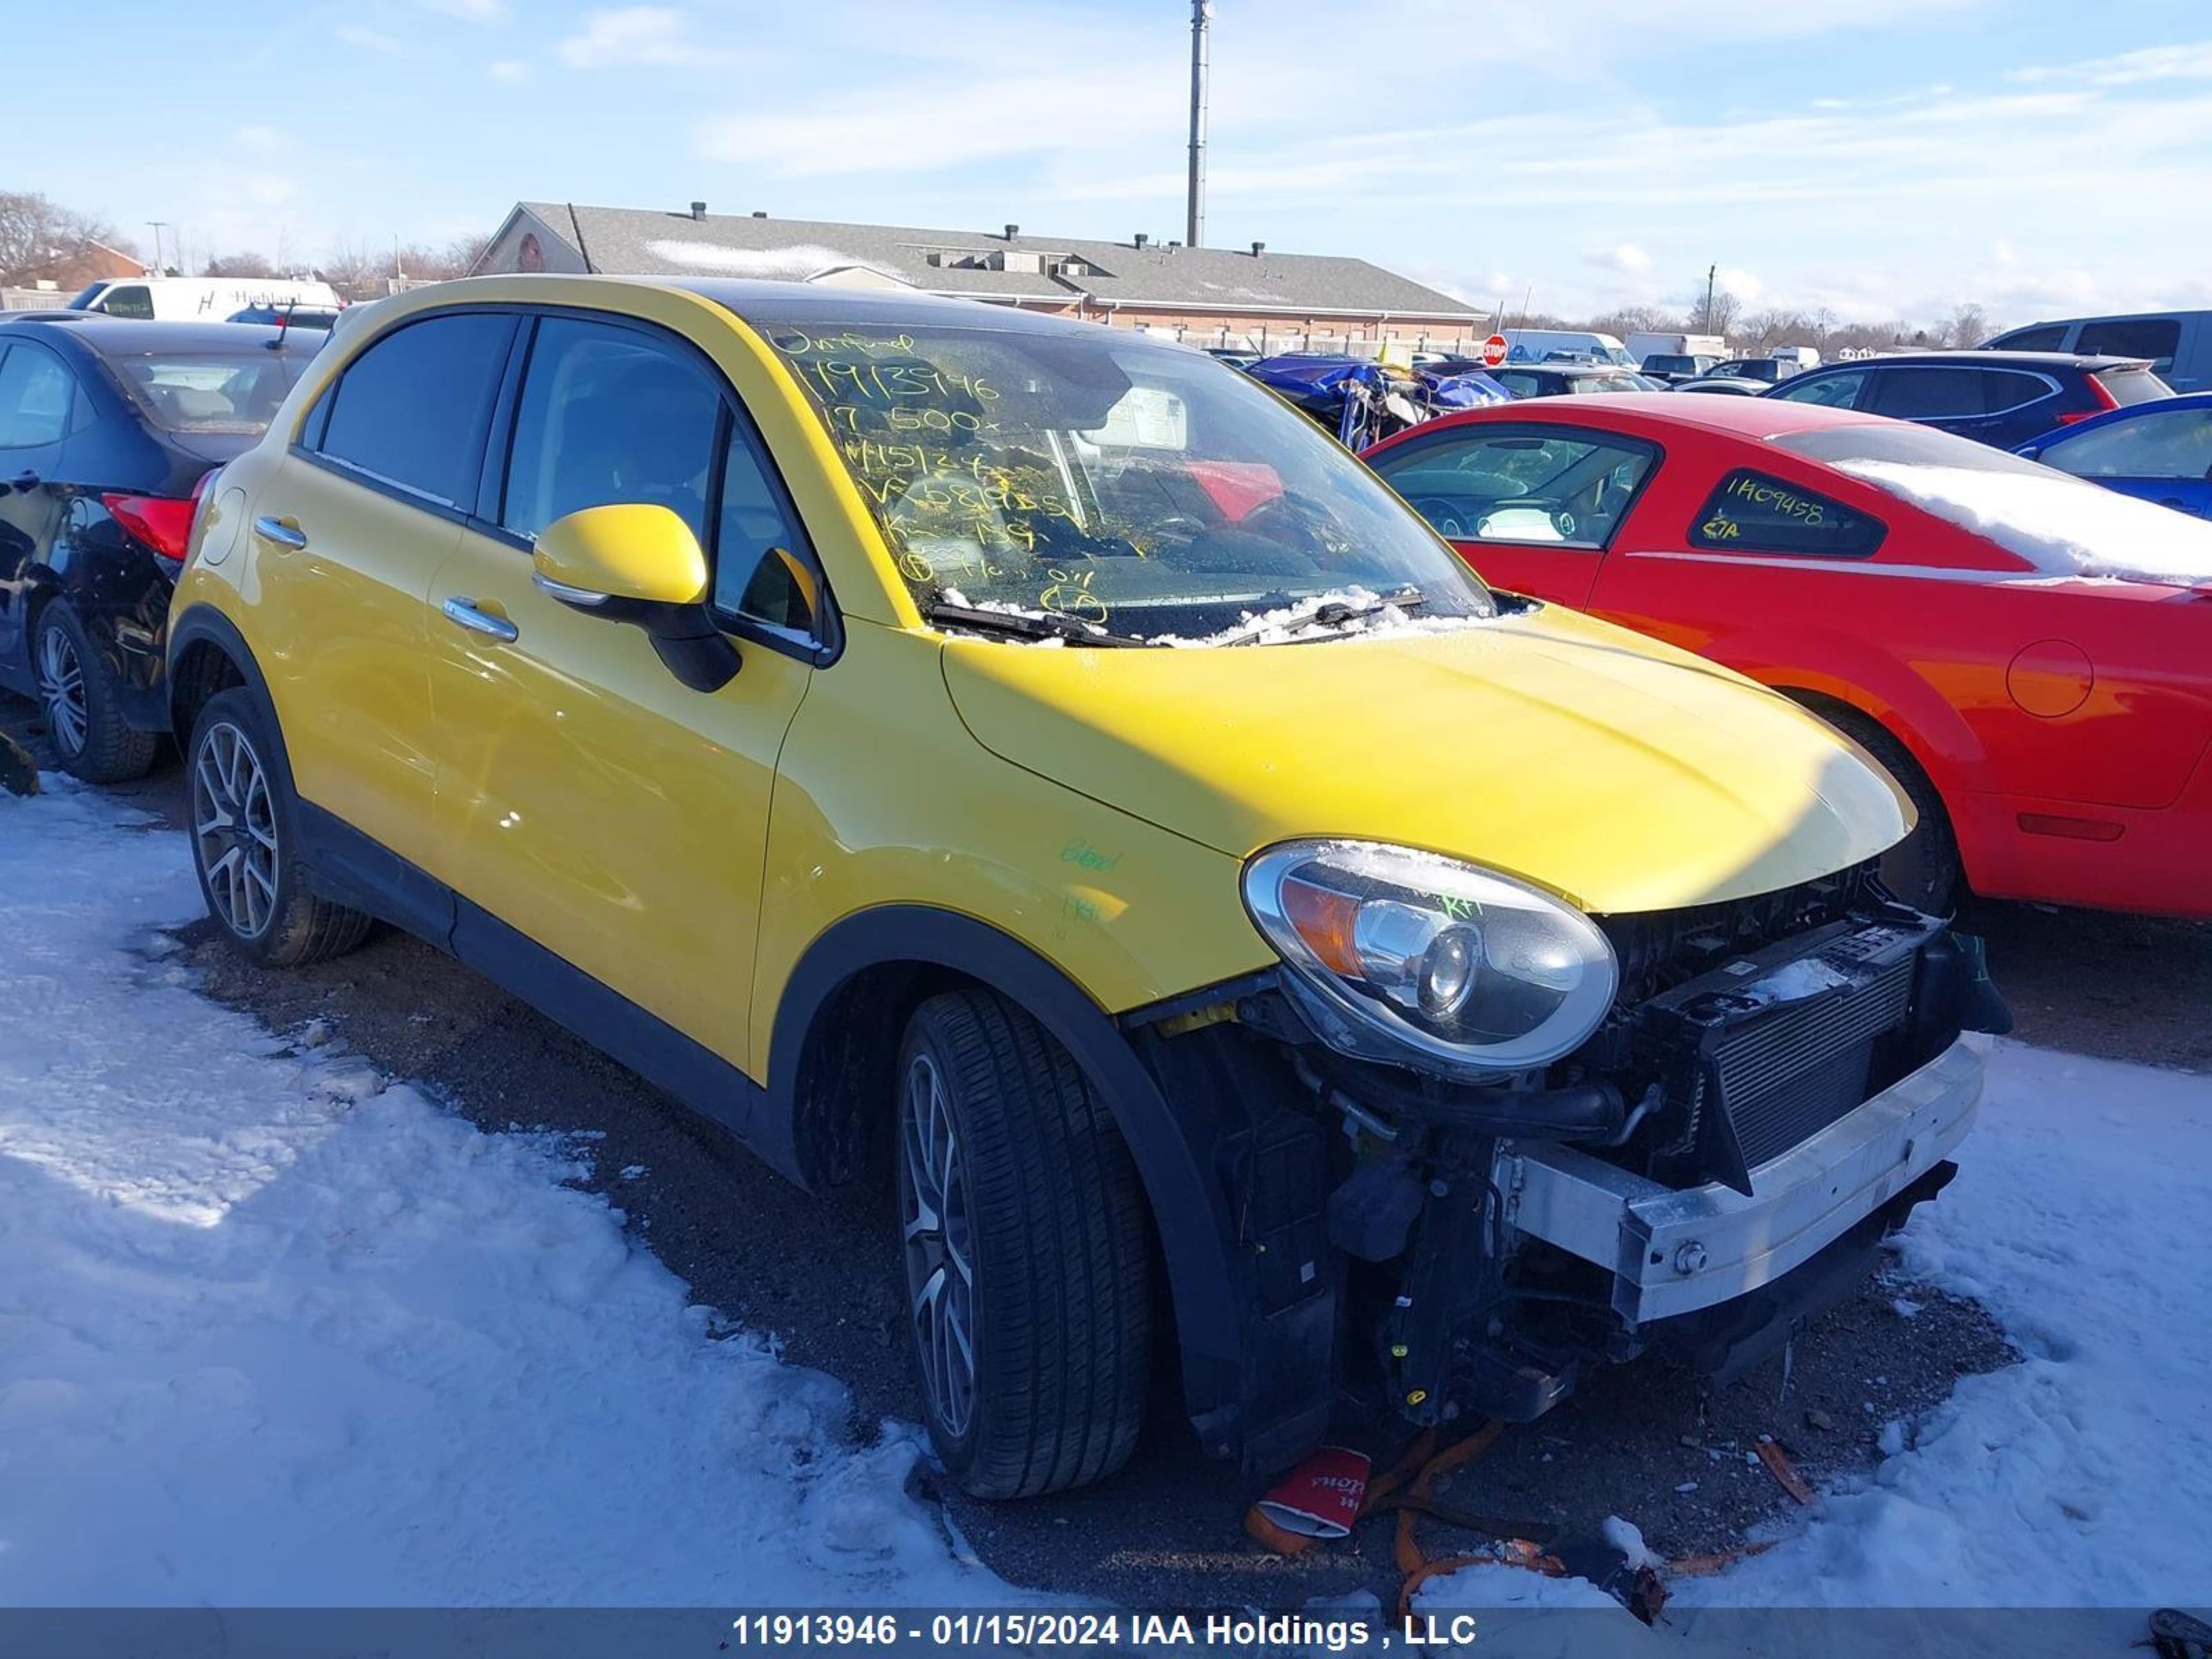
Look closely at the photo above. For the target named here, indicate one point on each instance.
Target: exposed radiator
(1788, 1076)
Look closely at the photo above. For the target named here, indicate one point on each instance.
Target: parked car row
(2025, 654)
(107, 427)
(1034, 761)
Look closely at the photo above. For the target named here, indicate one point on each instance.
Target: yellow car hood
(1620, 773)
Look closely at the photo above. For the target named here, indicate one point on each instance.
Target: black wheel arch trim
(1190, 1212)
(203, 624)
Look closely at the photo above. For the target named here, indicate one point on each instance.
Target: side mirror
(637, 563)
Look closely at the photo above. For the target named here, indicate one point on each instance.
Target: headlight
(1472, 971)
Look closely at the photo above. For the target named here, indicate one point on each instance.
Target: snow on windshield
(2061, 526)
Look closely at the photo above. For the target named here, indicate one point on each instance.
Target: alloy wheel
(235, 830)
(939, 1271)
(61, 689)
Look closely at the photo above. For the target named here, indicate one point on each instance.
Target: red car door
(1531, 505)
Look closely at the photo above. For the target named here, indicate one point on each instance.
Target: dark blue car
(2161, 452)
(1998, 397)
(107, 427)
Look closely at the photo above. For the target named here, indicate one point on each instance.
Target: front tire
(245, 839)
(82, 704)
(1027, 1253)
(1924, 868)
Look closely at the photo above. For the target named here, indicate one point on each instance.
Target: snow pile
(273, 1333)
(2081, 1475)
(794, 263)
(1806, 976)
(2061, 526)
(1296, 621)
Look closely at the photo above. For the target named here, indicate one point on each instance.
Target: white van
(2178, 342)
(206, 299)
(1555, 345)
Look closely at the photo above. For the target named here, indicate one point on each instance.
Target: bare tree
(1638, 320)
(1966, 326)
(462, 253)
(354, 270)
(38, 238)
(1714, 311)
(243, 264)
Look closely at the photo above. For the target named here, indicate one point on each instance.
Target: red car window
(1754, 512)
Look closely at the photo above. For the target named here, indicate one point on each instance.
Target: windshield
(1087, 474)
(234, 392)
(2061, 526)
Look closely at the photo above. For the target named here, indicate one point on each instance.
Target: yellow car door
(348, 531)
(587, 800)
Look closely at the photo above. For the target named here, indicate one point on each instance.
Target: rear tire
(245, 839)
(1027, 1249)
(82, 704)
(1923, 869)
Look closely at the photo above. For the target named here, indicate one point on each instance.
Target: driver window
(609, 414)
(1520, 485)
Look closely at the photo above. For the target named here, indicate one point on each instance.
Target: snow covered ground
(273, 1332)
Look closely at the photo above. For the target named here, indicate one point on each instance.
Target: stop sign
(1494, 351)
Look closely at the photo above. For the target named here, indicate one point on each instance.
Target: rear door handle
(280, 532)
(462, 612)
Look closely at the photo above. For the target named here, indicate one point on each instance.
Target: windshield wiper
(1330, 613)
(1025, 624)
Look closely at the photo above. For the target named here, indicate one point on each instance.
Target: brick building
(1251, 298)
(50, 285)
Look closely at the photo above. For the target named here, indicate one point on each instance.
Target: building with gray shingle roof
(1253, 297)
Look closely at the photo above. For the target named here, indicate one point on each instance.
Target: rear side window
(1946, 392)
(35, 395)
(1754, 512)
(2044, 337)
(409, 412)
(2155, 337)
(1828, 391)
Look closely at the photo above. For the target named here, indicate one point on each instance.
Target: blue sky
(1877, 157)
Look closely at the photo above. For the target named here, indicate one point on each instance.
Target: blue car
(2001, 399)
(2161, 452)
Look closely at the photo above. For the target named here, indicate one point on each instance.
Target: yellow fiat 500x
(1031, 763)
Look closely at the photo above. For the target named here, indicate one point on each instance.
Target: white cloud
(258, 137)
(1628, 259)
(2191, 62)
(507, 69)
(1741, 283)
(636, 34)
(353, 34)
(905, 128)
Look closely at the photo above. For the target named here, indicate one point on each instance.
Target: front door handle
(463, 613)
(26, 479)
(280, 532)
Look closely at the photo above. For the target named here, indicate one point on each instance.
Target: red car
(2030, 655)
